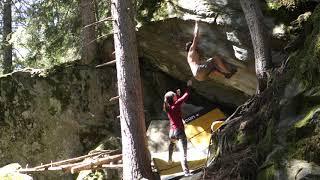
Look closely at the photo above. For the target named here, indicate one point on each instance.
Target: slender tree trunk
(259, 37)
(136, 157)
(88, 33)
(7, 31)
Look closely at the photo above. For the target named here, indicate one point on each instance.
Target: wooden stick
(102, 20)
(109, 152)
(112, 166)
(32, 170)
(62, 165)
(107, 63)
(92, 164)
(70, 160)
(65, 168)
(29, 170)
(114, 98)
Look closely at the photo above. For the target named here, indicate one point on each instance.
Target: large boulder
(162, 43)
(223, 30)
(55, 114)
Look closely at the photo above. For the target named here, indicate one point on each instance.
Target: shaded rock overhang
(162, 43)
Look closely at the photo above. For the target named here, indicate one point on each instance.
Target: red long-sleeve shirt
(174, 112)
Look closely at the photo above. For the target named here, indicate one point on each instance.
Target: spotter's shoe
(188, 174)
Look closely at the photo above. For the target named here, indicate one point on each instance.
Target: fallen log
(96, 153)
(95, 163)
(112, 166)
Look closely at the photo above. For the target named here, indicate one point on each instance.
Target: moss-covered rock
(55, 114)
(268, 173)
(10, 172)
(304, 137)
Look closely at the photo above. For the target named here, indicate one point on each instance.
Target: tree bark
(88, 33)
(7, 31)
(136, 157)
(260, 41)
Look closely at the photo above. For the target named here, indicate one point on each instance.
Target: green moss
(268, 173)
(245, 138)
(54, 106)
(317, 47)
(12, 177)
(75, 74)
(306, 149)
(241, 138)
(266, 144)
(276, 4)
(273, 5)
(305, 127)
(316, 17)
(63, 94)
(305, 121)
(304, 137)
(305, 64)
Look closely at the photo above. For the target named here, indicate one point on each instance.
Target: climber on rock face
(214, 66)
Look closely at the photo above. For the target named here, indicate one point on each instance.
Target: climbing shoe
(188, 174)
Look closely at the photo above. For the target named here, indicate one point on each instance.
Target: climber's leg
(223, 67)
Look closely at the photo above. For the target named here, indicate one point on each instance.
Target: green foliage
(276, 4)
(97, 175)
(147, 8)
(286, 11)
(48, 32)
(103, 10)
(53, 33)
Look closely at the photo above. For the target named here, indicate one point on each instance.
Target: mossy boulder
(10, 172)
(294, 143)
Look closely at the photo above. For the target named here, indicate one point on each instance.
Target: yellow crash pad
(165, 169)
(198, 131)
(198, 134)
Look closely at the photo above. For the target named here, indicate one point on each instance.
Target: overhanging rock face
(163, 44)
(223, 30)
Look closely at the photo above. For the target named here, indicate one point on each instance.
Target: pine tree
(89, 43)
(7, 31)
(259, 39)
(136, 158)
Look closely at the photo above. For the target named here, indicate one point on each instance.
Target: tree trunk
(88, 32)
(136, 157)
(7, 31)
(259, 37)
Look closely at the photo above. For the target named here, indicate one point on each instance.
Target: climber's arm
(194, 45)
